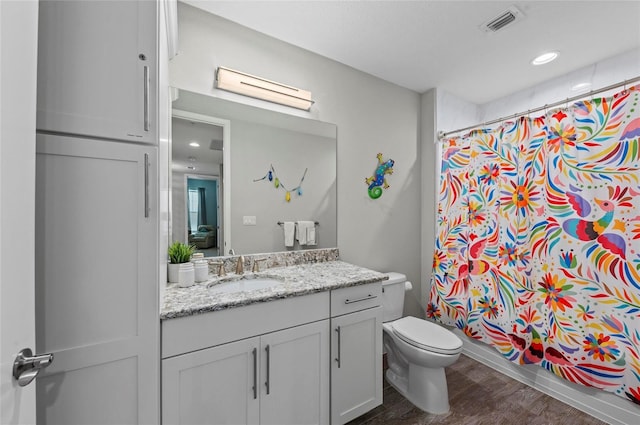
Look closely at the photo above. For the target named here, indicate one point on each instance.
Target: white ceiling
(423, 44)
(206, 158)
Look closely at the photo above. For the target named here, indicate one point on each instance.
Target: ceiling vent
(215, 145)
(504, 19)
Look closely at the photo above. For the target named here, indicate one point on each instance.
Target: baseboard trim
(605, 406)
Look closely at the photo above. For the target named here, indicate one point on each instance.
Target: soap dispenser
(186, 275)
(201, 270)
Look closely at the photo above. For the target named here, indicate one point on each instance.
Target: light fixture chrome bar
(442, 134)
(261, 88)
(274, 91)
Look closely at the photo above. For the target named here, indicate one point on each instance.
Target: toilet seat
(426, 335)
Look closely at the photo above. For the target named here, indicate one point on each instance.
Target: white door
(295, 376)
(356, 372)
(96, 281)
(97, 69)
(216, 386)
(18, 47)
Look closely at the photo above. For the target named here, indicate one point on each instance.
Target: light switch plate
(249, 220)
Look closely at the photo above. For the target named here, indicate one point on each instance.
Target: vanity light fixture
(260, 88)
(544, 58)
(194, 144)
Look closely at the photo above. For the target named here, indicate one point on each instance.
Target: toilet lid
(427, 335)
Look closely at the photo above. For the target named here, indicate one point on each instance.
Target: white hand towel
(311, 234)
(289, 231)
(303, 231)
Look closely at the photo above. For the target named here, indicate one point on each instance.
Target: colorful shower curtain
(538, 244)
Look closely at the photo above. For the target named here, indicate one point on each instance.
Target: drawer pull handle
(357, 300)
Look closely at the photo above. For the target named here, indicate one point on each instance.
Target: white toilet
(417, 350)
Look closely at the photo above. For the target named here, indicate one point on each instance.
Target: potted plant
(179, 253)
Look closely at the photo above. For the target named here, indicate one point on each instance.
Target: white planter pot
(173, 272)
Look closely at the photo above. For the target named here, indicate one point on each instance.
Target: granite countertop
(296, 280)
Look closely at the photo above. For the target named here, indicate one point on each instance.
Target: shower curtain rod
(442, 134)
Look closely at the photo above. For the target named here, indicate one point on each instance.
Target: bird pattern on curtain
(538, 244)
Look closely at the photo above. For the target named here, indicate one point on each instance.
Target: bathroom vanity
(304, 346)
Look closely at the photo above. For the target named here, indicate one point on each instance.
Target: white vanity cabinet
(276, 370)
(212, 386)
(97, 69)
(356, 351)
(296, 378)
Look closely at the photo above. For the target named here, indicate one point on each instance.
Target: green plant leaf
(180, 252)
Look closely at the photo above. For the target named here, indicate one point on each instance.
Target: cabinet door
(295, 376)
(356, 368)
(213, 386)
(97, 68)
(96, 281)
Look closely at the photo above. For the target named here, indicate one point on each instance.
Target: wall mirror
(222, 198)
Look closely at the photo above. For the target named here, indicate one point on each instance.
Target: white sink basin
(243, 285)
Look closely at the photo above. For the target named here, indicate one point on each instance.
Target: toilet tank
(393, 296)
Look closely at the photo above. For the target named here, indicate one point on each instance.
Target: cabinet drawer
(191, 333)
(356, 298)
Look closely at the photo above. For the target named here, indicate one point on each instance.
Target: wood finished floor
(479, 395)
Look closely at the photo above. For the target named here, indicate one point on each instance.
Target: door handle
(255, 373)
(146, 98)
(27, 366)
(337, 359)
(268, 381)
(146, 185)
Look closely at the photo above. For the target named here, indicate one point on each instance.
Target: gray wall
(372, 116)
(290, 152)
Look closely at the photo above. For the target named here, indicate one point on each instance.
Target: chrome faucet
(240, 265)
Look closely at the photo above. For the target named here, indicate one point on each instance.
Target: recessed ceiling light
(194, 144)
(544, 58)
(580, 86)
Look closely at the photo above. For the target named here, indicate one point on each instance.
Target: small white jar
(186, 275)
(201, 269)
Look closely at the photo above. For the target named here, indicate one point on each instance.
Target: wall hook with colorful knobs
(378, 180)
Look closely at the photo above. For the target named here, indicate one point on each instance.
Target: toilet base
(425, 388)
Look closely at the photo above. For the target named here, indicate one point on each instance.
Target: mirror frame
(226, 169)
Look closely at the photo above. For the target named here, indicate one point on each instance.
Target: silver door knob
(27, 366)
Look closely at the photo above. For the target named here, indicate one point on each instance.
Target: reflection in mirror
(239, 145)
(202, 214)
(196, 182)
